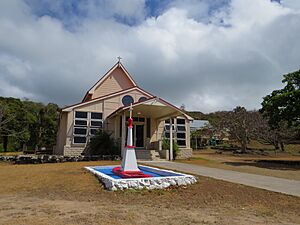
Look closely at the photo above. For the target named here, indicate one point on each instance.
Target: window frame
(181, 132)
(176, 131)
(124, 98)
(88, 126)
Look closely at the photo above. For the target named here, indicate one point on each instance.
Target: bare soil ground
(256, 164)
(65, 193)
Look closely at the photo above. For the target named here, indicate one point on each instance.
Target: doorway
(139, 136)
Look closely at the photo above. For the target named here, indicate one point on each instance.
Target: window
(142, 99)
(180, 128)
(181, 143)
(79, 140)
(181, 135)
(97, 116)
(86, 124)
(79, 130)
(179, 131)
(180, 121)
(167, 128)
(96, 123)
(81, 115)
(81, 122)
(127, 100)
(80, 127)
(93, 131)
(167, 135)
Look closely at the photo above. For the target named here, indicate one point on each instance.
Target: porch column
(123, 134)
(171, 139)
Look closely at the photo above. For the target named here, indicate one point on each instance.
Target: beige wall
(115, 82)
(92, 107)
(113, 103)
(61, 134)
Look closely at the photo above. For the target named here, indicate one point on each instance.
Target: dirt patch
(281, 165)
(67, 194)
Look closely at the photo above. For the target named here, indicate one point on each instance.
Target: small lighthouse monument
(129, 167)
(131, 176)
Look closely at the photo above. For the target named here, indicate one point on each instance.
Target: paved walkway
(290, 187)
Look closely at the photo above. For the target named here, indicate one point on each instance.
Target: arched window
(142, 99)
(127, 100)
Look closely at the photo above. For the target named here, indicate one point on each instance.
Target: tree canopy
(283, 106)
(27, 123)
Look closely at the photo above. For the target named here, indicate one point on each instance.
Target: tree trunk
(24, 147)
(244, 146)
(5, 142)
(276, 145)
(282, 146)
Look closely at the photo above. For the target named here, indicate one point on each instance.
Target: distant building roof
(198, 124)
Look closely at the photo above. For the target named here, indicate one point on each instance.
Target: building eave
(71, 107)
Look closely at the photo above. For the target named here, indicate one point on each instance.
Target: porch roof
(154, 107)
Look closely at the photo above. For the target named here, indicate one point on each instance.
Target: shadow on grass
(269, 164)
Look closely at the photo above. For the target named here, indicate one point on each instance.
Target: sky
(209, 55)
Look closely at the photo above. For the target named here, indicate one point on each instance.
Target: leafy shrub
(166, 146)
(103, 144)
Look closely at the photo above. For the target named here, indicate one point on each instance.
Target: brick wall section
(73, 151)
(185, 153)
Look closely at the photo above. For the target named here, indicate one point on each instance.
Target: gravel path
(290, 187)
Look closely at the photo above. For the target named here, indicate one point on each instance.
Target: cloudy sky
(209, 55)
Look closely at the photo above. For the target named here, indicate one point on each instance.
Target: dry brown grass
(11, 153)
(67, 194)
(289, 148)
(247, 163)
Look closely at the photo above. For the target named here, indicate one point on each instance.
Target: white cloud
(206, 66)
(293, 4)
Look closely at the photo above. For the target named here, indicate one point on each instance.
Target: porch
(153, 120)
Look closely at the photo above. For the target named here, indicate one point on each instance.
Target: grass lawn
(248, 163)
(65, 193)
(11, 153)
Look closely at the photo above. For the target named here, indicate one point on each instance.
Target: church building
(106, 106)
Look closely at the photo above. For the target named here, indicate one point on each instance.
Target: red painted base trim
(129, 174)
(130, 146)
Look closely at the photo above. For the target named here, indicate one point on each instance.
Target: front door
(139, 135)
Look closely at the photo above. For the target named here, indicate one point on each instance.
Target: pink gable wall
(116, 81)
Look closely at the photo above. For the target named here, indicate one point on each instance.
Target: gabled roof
(71, 107)
(99, 82)
(152, 101)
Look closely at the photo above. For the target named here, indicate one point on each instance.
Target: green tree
(166, 146)
(283, 106)
(238, 123)
(282, 109)
(264, 134)
(102, 143)
(14, 123)
(27, 123)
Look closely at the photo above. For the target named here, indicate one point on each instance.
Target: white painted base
(129, 161)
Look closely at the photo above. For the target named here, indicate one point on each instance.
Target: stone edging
(144, 183)
(37, 159)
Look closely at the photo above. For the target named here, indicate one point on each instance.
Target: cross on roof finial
(119, 59)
